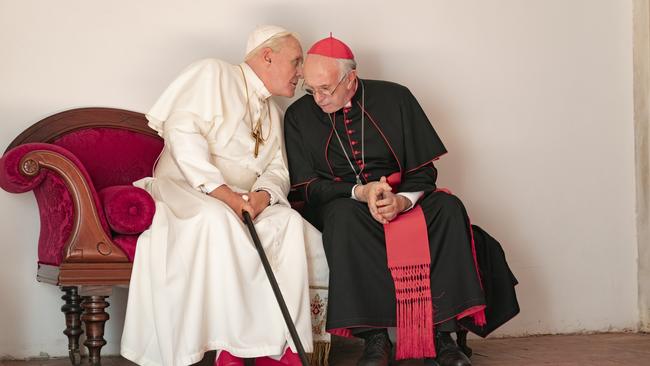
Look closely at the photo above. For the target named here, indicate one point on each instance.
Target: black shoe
(448, 352)
(377, 349)
(461, 341)
(431, 362)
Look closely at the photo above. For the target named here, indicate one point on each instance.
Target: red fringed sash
(409, 262)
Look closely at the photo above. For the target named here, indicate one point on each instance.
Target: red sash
(409, 262)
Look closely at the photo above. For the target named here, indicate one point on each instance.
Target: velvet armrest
(76, 204)
(12, 178)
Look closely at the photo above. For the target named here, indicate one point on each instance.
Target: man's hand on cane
(237, 202)
(258, 200)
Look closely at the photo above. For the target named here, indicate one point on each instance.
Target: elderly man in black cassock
(400, 251)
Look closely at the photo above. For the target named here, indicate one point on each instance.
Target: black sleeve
(421, 147)
(420, 179)
(312, 187)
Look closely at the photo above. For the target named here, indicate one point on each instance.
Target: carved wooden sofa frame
(91, 262)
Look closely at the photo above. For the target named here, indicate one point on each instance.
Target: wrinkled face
(285, 68)
(331, 91)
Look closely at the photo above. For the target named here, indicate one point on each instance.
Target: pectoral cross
(259, 140)
(256, 131)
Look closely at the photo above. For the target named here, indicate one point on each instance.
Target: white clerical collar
(255, 84)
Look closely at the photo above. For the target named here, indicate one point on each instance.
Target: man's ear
(267, 55)
(351, 76)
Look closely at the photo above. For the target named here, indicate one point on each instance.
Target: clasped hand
(384, 205)
(256, 203)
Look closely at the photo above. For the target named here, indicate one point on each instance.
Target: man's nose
(318, 97)
(299, 72)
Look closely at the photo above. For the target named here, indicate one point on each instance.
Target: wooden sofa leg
(94, 317)
(72, 310)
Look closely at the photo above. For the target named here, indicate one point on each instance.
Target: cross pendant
(258, 141)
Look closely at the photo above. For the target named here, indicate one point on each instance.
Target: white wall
(532, 98)
(641, 47)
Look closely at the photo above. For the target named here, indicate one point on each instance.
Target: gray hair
(275, 43)
(345, 66)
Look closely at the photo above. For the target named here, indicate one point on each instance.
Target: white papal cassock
(197, 282)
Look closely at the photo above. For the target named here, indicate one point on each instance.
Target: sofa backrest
(115, 146)
(112, 156)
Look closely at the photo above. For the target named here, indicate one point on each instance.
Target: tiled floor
(630, 349)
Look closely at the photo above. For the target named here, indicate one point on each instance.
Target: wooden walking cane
(276, 289)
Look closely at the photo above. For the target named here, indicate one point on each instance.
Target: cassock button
(350, 132)
(353, 142)
(347, 121)
(359, 162)
(337, 179)
(356, 152)
(366, 175)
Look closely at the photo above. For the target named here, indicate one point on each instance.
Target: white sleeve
(352, 195)
(209, 187)
(275, 179)
(189, 148)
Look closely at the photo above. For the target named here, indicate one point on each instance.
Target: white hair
(275, 43)
(345, 66)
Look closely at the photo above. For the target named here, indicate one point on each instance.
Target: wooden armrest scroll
(88, 241)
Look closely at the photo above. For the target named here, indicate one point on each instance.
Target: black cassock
(398, 138)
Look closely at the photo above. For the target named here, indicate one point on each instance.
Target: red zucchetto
(331, 47)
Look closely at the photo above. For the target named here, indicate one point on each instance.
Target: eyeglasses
(323, 91)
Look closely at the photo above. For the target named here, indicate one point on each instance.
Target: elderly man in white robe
(198, 283)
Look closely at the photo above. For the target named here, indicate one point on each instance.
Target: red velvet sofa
(80, 165)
